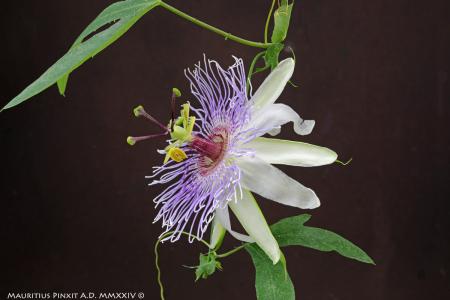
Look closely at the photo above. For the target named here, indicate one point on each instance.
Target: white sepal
(270, 119)
(251, 218)
(269, 91)
(223, 217)
(217, 234)
(285, 152)
(271, 183)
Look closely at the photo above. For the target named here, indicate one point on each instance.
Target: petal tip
(305, 127)
(289, 62)
(333, 156)
(328, 157)
(315, 203)
(276, 257)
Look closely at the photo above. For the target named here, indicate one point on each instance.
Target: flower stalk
(232, 251)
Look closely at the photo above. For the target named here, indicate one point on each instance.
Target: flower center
(212, 149)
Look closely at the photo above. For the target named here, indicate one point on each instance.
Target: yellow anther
(176, 154)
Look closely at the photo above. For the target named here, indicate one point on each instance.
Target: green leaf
(208, 265)
(272, 54)
(119, 16)
(281, 19)
(272, 282)
(291, 231)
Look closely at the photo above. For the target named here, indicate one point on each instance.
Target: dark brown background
(76, 214)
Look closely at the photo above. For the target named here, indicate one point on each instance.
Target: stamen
(139, 111)
(177, 154)
(131, 140)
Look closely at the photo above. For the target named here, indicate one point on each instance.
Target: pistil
(212, 149)
(207, 148)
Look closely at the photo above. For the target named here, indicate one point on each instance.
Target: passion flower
(218, 157)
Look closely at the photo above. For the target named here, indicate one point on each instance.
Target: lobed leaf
(120, 16)
(291, 231)
(272, 282)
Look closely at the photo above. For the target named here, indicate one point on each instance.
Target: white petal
(271, 183)
(284, 152)
(223, 217)
(273, 116)
(217, 234)
(273, 85)
(250, 216)
(275, 131)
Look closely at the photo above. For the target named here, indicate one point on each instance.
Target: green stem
(226, 35)
(231, 251)
(266, 28)
(158, 278)
(252, 67)
(261, 70)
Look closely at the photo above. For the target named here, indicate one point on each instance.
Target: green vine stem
(231, 251)
(269, 16)
(202, 24)
(158, 270)
(252, 67)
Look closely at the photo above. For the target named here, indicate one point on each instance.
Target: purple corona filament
(208, 177)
